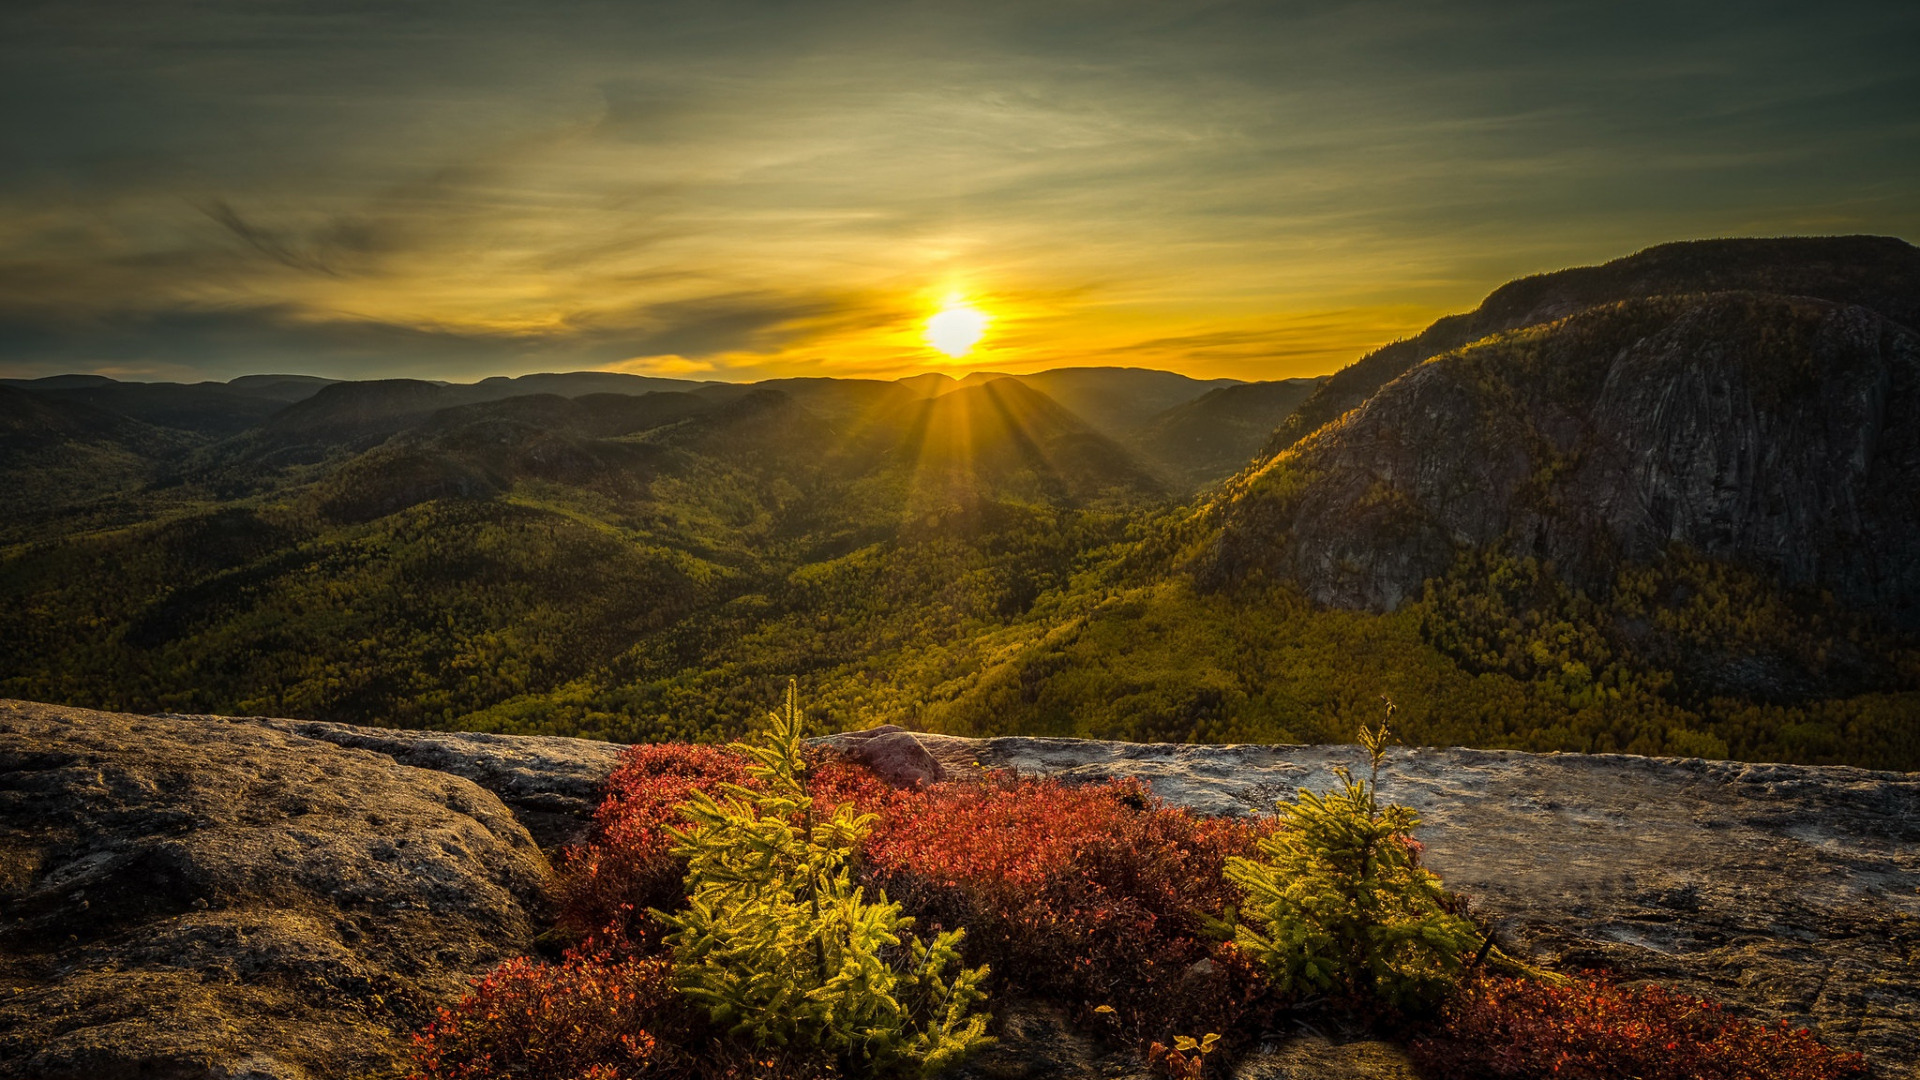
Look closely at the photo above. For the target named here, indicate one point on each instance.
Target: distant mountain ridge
(1663, 506)
(1880, 273)
(1777, 432)
(1215, 434)
(281, 421)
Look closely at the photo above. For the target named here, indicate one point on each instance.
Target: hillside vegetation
(1616, 509)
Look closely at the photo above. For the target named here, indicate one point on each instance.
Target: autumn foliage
(1510, 1029)
(609, 883)
(1091, 894)
(584, 1018)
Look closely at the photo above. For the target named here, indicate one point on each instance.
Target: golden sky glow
(740, 190)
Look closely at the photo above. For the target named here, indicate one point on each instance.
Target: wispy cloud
(272, 245)
(749, 188)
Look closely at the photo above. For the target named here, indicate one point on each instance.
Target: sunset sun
(957, 327)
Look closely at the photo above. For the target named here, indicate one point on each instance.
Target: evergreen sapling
(780, 945)
(1340, 903)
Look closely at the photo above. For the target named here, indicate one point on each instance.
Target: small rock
(893, 753)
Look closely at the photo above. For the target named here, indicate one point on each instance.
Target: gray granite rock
(1776, 432)
(187, 899)
(551, 784)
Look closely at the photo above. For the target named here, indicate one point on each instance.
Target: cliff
(1775, 433)
(251, 897)
(1880, 273)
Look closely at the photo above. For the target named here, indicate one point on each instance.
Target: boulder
(905, 758)
(180, 898)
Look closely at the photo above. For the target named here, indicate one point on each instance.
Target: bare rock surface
(1777, 432)
(551, 784)
(181, 898)
(1790, 892)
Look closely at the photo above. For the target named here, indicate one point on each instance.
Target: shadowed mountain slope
(1114, 400)
(206, 408)
(55, 451)
(1771, 432)
(1213, 437)
(212, 409)
(571, 384)
(287, 388)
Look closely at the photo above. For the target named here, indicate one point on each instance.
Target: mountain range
(1661, 505)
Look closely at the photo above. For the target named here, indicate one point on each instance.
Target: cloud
(459, 189)
(270, 244)
(223, 341)
(662, 365)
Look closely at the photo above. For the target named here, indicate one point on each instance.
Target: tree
(780, 945)
(1341, 904)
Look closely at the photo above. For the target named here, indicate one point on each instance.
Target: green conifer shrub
(1340, 904)
(780, 946)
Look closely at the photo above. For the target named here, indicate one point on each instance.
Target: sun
(957, 327)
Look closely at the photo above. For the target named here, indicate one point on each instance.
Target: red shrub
(607, 884)
(1092, 893)
(1510, 1028)
(583, 1018)
(590, 1018)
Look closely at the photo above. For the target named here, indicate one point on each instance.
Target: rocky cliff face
(247, 897)
(1774, 432)
(1879, 273)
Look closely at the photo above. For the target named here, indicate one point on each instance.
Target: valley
(1661, 506)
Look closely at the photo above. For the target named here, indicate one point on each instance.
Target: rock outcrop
(1880, 273)
(186, 898)
(1771, 432)
(208, 897)
(551, 784)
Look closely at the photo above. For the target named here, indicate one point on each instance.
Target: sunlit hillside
(1068, 553)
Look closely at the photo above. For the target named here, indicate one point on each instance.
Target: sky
(740, 190)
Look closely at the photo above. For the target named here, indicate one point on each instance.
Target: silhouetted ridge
(1113, 400)
(1212, 437)
(378, 404)
(571, 384)
(1877, 272)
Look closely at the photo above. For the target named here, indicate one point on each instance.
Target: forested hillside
(1674, 521)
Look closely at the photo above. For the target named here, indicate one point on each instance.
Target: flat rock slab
(551, 784)
(180, 898)
(1790, 892)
